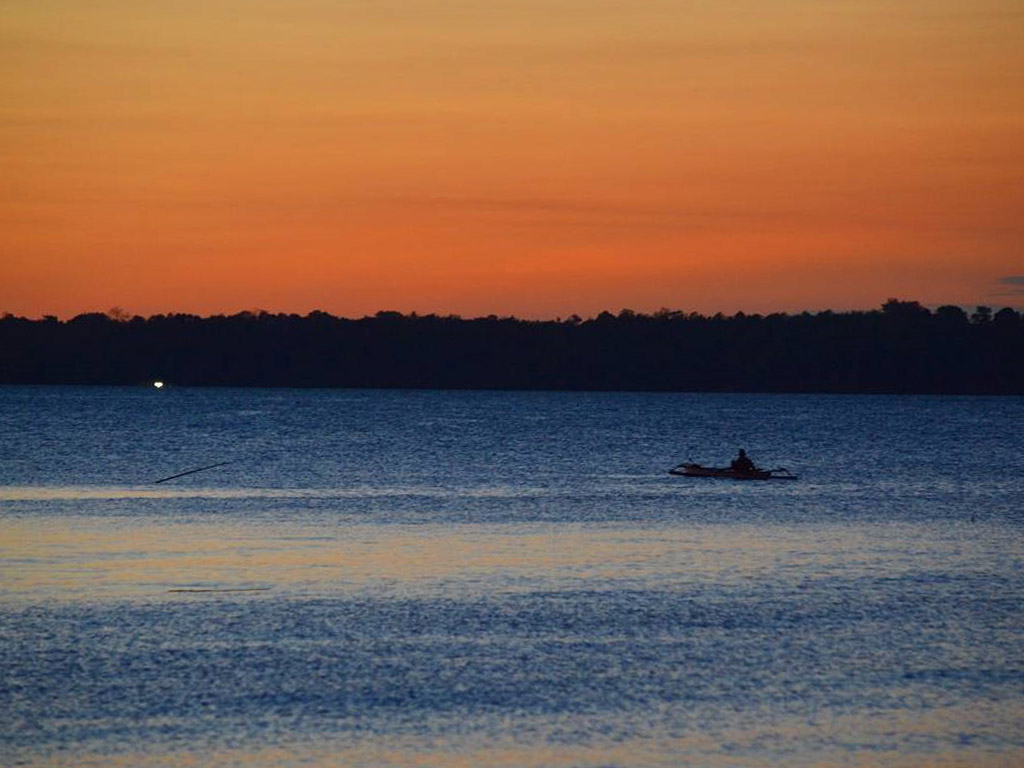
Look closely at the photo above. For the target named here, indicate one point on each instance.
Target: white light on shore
(158, 384)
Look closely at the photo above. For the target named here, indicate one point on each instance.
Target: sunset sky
(529, 157)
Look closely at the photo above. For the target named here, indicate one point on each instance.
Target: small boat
(689, 469)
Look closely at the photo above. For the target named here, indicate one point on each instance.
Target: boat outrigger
(689, 469)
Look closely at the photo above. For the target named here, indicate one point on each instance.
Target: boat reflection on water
(689, 469)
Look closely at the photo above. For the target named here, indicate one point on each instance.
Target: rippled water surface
(508, 579)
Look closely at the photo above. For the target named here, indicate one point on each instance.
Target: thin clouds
(602, 215)
(1014, 286)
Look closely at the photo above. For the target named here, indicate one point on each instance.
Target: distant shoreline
(902, 348)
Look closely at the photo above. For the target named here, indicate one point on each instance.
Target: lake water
(508, 579)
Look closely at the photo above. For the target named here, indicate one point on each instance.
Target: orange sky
(527, 157)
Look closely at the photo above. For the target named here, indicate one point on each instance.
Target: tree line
(903, 347)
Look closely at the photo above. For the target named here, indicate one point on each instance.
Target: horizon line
(118, 314)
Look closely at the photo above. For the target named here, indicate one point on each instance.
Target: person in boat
(743, 464)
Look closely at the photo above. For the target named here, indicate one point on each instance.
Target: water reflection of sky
(91, 558)
(618, 645)
(526, 587)
(774, 747)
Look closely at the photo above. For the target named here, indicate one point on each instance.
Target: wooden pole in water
(190, 472)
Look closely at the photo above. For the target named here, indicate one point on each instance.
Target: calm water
(508, 579)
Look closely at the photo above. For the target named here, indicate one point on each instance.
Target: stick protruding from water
(191, 472)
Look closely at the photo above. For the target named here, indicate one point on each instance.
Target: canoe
(689, 469)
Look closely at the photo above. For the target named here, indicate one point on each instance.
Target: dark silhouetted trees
(901, 348)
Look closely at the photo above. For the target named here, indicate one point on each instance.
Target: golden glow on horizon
(530, 158)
